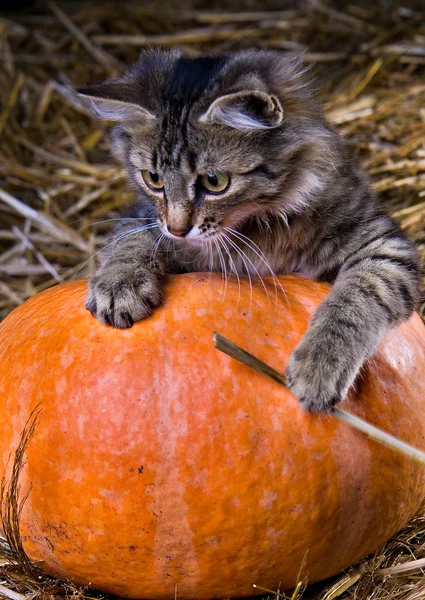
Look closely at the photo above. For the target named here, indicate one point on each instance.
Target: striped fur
(296, 203)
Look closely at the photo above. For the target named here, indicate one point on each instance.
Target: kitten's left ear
(115, 100)
(245, 110)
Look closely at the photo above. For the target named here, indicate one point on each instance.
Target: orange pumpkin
(161, 465)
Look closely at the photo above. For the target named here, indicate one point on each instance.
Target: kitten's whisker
(210, 256)
(129, 233)
(122, 234)
(242, 256)
(167, 247)
(232, 265)
(211, 253)
(207, 245)
(104, 248)
(257, 250)
(226, 278)
(223, 267)
(89, 259)
(253, 266)
(155, 247)
(117, 219)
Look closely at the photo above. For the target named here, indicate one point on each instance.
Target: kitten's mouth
(193, 236)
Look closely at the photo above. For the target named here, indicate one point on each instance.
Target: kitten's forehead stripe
(155, 159)
(191, 161)
(188, 80)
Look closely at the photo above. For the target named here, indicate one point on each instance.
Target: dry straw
(59, 188)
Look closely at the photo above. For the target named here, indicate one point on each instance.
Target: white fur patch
(238, 120)
(232, 110)
(309, 185)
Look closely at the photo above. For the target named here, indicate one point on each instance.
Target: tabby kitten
(238, 171)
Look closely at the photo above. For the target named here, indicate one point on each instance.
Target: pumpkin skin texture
(160, 464)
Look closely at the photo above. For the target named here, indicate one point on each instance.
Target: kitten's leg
(376, 288)
(128, 285)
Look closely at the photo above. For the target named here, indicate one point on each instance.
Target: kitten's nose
(179, 233)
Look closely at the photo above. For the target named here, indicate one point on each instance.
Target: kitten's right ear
(115, 100)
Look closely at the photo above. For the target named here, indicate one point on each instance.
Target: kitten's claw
(319, 377)
(119, 299)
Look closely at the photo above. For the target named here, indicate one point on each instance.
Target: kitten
(230, 154)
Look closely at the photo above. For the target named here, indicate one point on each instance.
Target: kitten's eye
(215, 182)
(153, 180)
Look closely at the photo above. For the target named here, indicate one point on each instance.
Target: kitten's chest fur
(261, 248)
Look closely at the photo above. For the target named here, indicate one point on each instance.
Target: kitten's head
(214, 140)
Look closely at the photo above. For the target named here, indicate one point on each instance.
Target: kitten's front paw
(319, 376)
(121, 297)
